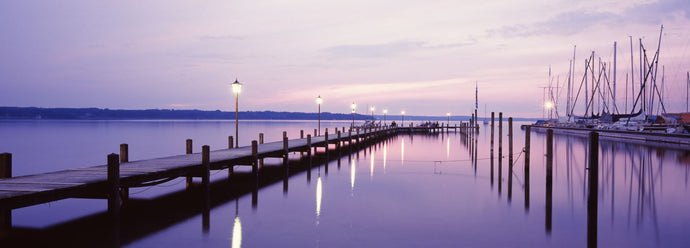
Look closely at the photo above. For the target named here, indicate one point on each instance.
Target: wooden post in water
(326, 140)
(285, 148)
(549, 179)
(527, 147)
(500, 151)
(206, 167)
(337, 145)
(310, 157)
(261, 141)
(114, 185)
(510, 158)
(301, 134)
(124, 158)
(5, 172)
(189, 151)
(315, 133)
(284, 134)
(593, 198)
(255, 158)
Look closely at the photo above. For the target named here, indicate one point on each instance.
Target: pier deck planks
(17, 192)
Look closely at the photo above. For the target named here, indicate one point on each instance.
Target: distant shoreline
(36, 113)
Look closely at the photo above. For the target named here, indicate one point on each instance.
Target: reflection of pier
(140, 218)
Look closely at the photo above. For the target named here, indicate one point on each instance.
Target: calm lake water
(414, 190)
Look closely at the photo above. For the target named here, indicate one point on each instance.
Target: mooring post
(231, 144)
(255, 158)
(549, 179)
(527, 147)
(189, 151)
(510, 158)
(114, 184)
(206, 167)
(261, 141)
(5, 172)
(357, 139)
(593, 198)
(500, 151)
(326, 140)
(337, 145)
(285, 147)
(124, 158)
(301, 134)
(315, 133)
(284, 134)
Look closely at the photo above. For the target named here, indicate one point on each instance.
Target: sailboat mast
(632, 73)
(614, 74)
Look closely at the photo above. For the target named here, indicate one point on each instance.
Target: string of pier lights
(353, 107)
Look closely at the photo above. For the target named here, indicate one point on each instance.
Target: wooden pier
(113, 180)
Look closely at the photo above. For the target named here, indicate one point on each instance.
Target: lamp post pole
(402, 115)
(385, 111)
(237, 88)
(353, 114)
(319, 100)
(372, 114)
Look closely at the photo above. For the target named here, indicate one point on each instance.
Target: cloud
(567, 23)
(576, 21)
(220, 37)
(390, 49)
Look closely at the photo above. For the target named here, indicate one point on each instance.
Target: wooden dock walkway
(112, 181)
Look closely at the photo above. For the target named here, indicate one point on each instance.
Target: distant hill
(172, 114)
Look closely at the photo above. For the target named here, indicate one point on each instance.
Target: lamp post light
(372, 113)
(385, 111)
(353, 113)
(319, 101)
(448, 123)
(402, 115)
(236, 88)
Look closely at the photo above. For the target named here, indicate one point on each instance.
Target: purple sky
(420, 56)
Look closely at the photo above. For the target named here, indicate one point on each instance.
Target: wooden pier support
(500, 151)
(549, 179)
(255, 158)
(5, 172)
(231, 142)
(205, 166)
(114, 184)
(124, 158)
(189, 150)
(527, 147)
(261, 141)
(492, 132)
(593, 198)
(510, 158)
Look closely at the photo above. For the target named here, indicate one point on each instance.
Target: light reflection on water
(447, 197)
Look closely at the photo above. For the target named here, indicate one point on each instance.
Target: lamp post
(236, 88)
(385, 111)
(353, 113)
(372, 113)
(448, 123)
(402, 115)
(319, 101)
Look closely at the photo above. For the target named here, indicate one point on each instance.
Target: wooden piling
(231, 142)
(593, 198)
(510, 158)
(527, 147)
(189, 151)
(206, 167)
(261, 141)
(5, 172)
(255, 157)
(114, 184)
(549, 179)
(500, 151)
(285, 147)
(337, 145)
(301, 134)
(326, 140)
(315, 132)
(124, 158)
